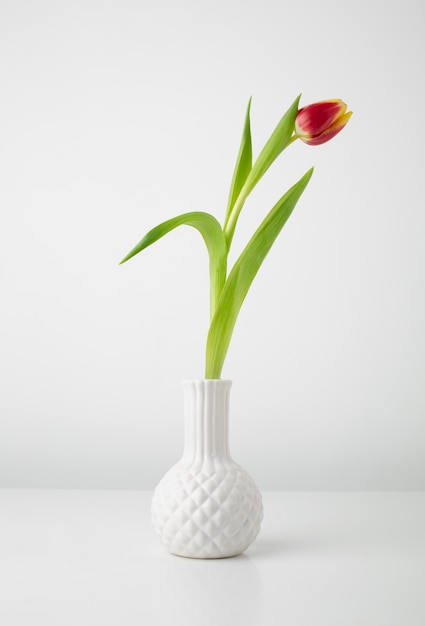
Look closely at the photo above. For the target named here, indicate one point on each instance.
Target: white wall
(116, 115)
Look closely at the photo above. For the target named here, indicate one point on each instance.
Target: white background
(117, 115)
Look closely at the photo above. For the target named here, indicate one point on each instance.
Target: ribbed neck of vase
(206, 411)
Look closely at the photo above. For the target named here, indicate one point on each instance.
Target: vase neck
(206, 410)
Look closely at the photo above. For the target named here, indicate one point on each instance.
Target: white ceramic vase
(206, 506)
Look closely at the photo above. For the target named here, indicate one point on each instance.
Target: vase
(206, 506)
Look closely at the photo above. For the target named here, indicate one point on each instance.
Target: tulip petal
(313, 119)
(330, 132)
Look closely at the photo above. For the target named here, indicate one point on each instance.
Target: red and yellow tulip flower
(317, 123)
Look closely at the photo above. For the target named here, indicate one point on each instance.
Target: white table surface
(82, 558)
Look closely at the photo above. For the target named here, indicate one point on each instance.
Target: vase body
(206, 506)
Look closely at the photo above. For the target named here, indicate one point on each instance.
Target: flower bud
(319, 122)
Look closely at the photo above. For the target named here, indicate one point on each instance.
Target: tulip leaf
(242, 275)
(243, 163)
(277, 142)
(213, 236)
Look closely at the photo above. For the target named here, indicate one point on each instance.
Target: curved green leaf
(275, 145)
(242, 275)
(243, 163)
(277, 142)
(213, 236)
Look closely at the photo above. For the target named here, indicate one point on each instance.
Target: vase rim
(206, 380)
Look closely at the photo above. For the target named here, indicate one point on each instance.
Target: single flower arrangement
(207, 506)
(314, 124)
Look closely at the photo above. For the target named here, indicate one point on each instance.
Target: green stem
(232, 217)
(212, 371)
(217, 279)
(230, 224)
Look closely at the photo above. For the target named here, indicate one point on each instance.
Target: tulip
(319, 122)
(314, 124)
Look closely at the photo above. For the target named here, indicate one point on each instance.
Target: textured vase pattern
(207, 506)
